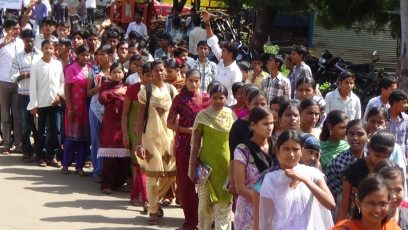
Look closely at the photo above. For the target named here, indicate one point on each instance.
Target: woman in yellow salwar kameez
(211, 128)
(155, 148)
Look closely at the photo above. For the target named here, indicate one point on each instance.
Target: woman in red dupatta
(187, 105)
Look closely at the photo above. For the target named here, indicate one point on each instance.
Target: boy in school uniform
(388, 85)
(343, 98)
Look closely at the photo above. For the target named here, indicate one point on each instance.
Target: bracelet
(208, 24)
(25, 75)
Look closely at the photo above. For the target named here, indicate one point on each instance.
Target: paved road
(41, 198)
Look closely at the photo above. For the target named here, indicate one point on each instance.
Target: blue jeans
(27, 124)
(53, 144)
(95, 129)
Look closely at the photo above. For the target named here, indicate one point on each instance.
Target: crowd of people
(217, 137)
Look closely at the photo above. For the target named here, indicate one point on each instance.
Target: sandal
(42, 163)
(153, 219)
(146, 206)
(107, 190)
(54, 163)
(26, 158)
(161, 213)
(166, 202)
(64, 170)
(135, 202)
(120, 189)
(5, 151)
(80, 172)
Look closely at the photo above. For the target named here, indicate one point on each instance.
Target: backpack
(148, 96)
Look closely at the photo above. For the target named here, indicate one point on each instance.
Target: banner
(11, 4)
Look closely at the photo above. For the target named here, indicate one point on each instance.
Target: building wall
(356, 47)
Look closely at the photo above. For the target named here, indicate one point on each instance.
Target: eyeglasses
(372, 205)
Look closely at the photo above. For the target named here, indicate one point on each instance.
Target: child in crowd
(357, 135)
(91, 36)
(48, 25)
(257, 74)
(376, 119)
(245, 68)
(130, 110)
(76, 115)
(372, 206)
(96, 109)
(301, 69)
(251, 158)
(238, 90)
(64, 56)
(305, 88)
(78, 39)
(289, 115)
(116, 158)
(275, 84)
(207, 68)
(309, 116)
(288, 191)
(332, 137)
(135, 69)
(394, 177)
(343, 98)
(397, 122)
(63, 29)
(46, 92)
(274, 106)
(311, 151)
(173, 74)
(380, 147)
(387, 84)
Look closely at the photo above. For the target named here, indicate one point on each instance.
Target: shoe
(54, 163)
(88, 164)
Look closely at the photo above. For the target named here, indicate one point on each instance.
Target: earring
(359, 210)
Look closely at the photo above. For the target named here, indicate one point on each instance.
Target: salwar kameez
(187, 105)
(116, 158)
(159, 165)
(139, 185)
(215, 203)
(77, 130)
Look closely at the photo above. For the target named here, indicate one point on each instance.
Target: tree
(178, 5)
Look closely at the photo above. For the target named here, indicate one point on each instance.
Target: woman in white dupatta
(294, 196)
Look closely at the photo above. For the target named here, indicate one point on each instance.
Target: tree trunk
(264, 25)
(402, 66)
(178, 5)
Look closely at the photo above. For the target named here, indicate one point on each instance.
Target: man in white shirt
(228, 71)
(46, 91)
(197, 34)
(10, 46)
(137, 25)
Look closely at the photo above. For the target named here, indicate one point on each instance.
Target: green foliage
(271, 49)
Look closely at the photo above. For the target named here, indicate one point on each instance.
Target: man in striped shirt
(20, 73)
